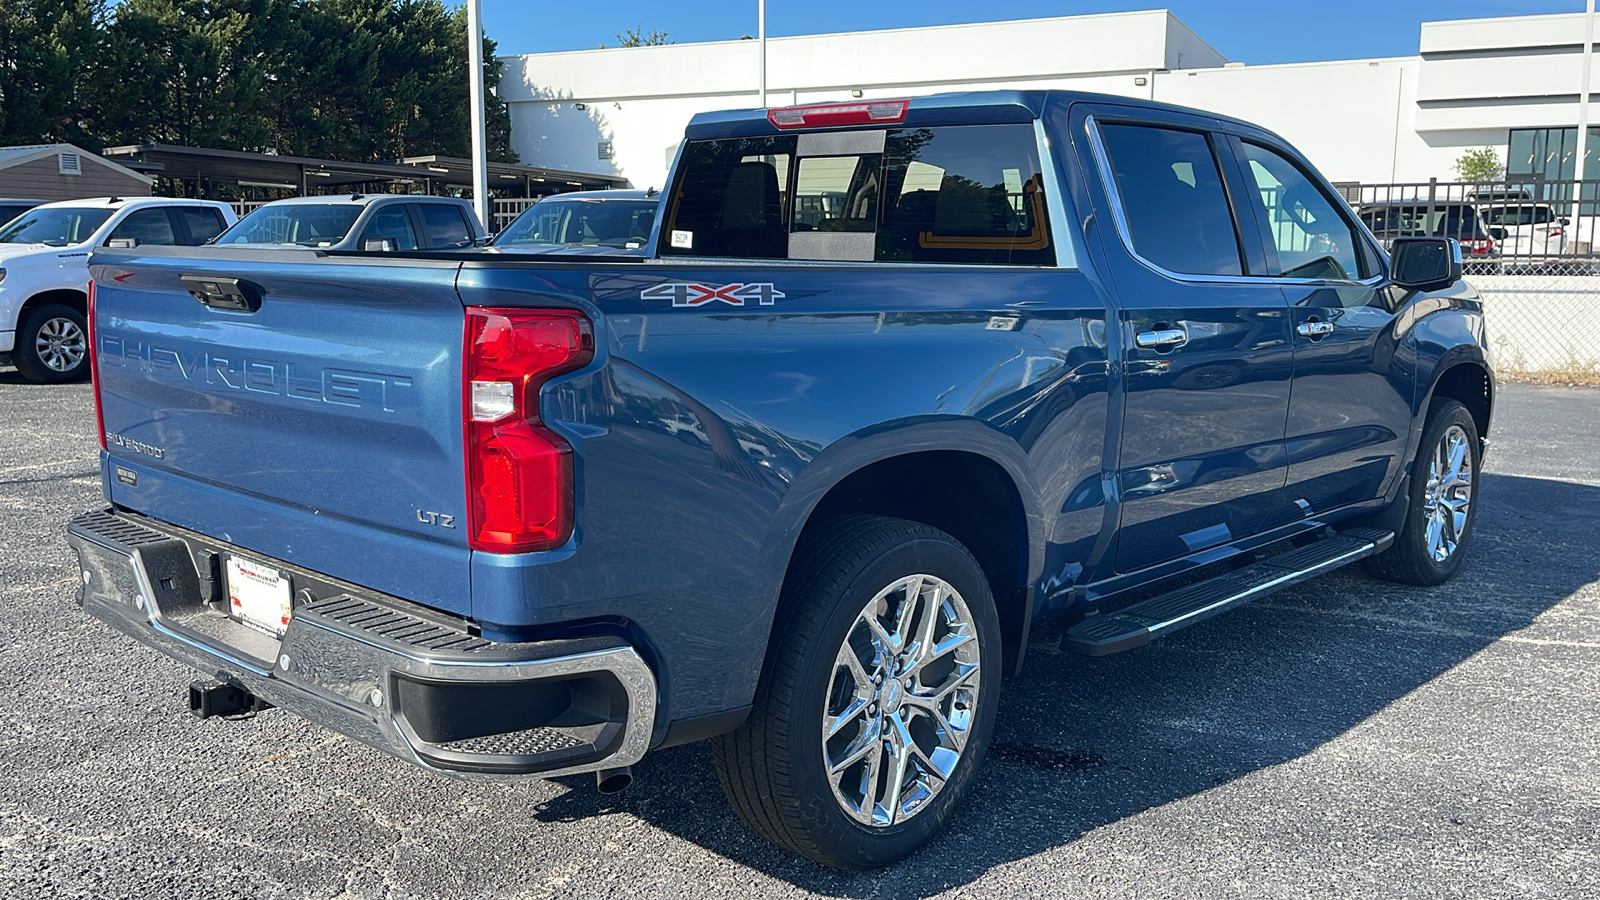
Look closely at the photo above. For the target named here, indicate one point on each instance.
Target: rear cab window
(444, 226)
(391, 224)
(147, 226)
(203, 222)
(958, 194)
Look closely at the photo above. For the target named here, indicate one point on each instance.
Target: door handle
(1162, 338)
(1314, 329)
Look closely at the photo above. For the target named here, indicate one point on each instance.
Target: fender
(856, 451)
(1447, 331)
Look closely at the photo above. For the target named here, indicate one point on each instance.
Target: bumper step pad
(1137, 625)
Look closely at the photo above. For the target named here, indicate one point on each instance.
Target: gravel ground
(1347, 738)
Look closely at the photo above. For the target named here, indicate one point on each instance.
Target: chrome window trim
(1049, 169)
(731, 262)
(1119, 216)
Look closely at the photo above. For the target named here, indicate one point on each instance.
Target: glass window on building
(1551, 153)
(1544, 161)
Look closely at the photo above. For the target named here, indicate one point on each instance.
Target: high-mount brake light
(94, 367)
(840, 115)
(519, 473)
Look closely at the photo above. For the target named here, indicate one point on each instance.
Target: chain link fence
(1532, 249)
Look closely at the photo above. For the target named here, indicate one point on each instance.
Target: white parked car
(1526, 231)
(44, 272)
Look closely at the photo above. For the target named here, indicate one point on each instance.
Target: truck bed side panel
(709, 430)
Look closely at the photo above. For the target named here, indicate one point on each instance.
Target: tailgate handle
(223, 293)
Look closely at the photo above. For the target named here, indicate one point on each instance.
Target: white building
(1509, 83)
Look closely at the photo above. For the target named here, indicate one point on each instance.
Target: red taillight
(94, 369)
(840, 115)
(519, 473)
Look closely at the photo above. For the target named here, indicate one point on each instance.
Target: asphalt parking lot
(1347, 738)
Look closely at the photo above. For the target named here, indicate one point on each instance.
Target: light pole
(761, 42)
(480, 140)
(1582, 149)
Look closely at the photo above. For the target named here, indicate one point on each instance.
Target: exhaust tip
(613, 781)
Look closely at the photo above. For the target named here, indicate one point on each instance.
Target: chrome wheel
(901, 700)
(1448, 496)
(60, 344)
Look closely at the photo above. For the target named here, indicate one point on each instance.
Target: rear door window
(392, 224)
(1173, 199)
(203, 222)
(147, 226)
(443, 226)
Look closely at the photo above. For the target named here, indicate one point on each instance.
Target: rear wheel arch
(966, 494)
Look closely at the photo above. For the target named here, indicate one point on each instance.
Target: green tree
(44, 48)
(638, 37)
(349, 79)
(1482, 164)
(189, 72)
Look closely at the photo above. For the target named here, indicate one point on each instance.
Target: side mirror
(122, 243)
(1498, 234)
(378, 245)
(1564, 221)
(1425, 264)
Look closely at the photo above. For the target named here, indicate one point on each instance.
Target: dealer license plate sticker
(258, 596)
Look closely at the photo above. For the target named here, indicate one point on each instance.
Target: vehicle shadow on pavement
(1082, 743)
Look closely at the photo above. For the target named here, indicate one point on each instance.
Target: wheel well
(967, 496)
(1469, 384)
(78, 300)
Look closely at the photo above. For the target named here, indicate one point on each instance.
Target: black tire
(1410, 559)
(772, 768)
(58, 318)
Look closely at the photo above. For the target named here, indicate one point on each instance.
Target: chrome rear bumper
(394, 675)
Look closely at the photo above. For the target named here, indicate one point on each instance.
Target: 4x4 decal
(693, 294)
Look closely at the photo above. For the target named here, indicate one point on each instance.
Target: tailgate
(323, 428)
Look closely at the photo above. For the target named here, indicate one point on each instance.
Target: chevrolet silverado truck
(898, 380)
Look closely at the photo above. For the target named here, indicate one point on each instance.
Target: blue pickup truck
(898, 380)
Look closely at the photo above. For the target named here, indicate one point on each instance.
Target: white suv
(44, 272)
(1526, 231)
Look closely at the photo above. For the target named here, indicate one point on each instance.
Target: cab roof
(130, 202)
(965, 108)
(617, 194)
(361, 200)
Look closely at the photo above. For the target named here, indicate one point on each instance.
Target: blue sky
(1252, 31)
